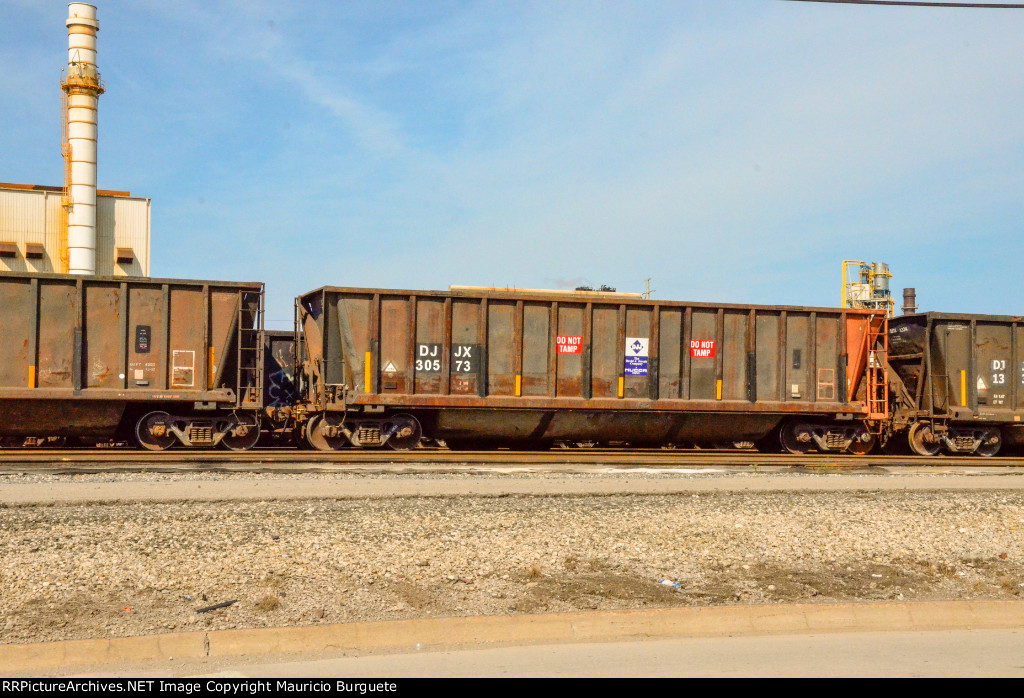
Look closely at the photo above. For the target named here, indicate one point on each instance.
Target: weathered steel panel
(60, 417)
(17, 305)
(993, 368)
(104, 342)
(501, 373)
(570, 365)
(147, 338)
(466, 348)
(951, 365)
(59, 332)
(430, 356)
(549, 363)
(354, 328)
(605, 351)
(537, 349)
(734, 356)
(636, 348)
(796, 357)
(1017, 371)
(186, 344)
(104, 367)
(225, 305)
(703, 361)
(961, 366)
(670, 350)
(826, 388)
(394, 345)
(766, 348)
(637, 428)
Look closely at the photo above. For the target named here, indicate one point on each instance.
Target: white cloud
(733, 151)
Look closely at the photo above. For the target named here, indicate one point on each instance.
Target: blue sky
(734, 151)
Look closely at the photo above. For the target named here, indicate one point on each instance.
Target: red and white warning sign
(702, 348)
(568, 344)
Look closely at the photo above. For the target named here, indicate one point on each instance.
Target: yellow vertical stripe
(211, 369)
(519, 386)
(31, 376)
(718, 389)
(368, 375)
(963, 388)
(621, 382)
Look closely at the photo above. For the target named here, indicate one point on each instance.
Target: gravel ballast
(101, 570)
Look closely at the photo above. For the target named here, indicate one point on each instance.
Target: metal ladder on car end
(250, 352)
(877, 376)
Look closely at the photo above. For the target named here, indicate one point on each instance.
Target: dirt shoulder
(110, 570)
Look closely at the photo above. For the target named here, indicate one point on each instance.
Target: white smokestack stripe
(83, 89)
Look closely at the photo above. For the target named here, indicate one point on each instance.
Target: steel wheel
(320, 441)
(409, 433)
(859, 446)
(153, 432)
(917, 437)
(243, 435)
(987, 450)
(787, 437)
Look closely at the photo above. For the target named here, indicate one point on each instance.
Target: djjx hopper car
(958, 382)
(482, 368)
(160, 361)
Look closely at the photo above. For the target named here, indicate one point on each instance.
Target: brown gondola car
(161, 361)
(481, 368)
(958, 383)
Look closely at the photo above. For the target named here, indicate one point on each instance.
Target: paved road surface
(967, 653)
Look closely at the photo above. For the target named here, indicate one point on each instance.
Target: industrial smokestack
(909, 301)
(83, 88)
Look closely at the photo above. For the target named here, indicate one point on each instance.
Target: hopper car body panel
(537, 367)
(86, 356)
(961, 380)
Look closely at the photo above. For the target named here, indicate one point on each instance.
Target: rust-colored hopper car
(482, 368)
(163, 361)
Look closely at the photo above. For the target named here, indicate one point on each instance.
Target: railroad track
(89, 460)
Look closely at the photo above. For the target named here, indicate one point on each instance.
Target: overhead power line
(911, 3)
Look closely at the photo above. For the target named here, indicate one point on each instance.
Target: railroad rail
(105, 459)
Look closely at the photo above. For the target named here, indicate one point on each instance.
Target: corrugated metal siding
(55, 220)
(122, 222)
(35, 216)
(23, 220)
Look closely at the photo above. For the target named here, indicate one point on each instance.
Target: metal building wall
(122, 222)
(34, 216)
(23, 219)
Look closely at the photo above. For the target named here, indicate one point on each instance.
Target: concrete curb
(493, 631)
